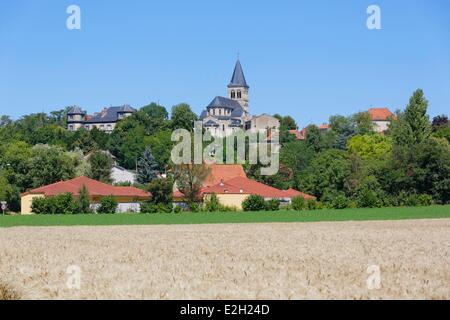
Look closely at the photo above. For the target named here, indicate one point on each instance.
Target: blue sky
(308, 59)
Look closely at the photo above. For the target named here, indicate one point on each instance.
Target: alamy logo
(74, 279)
(374, 20)
(250, 146)
(73, 22)
(374, 279)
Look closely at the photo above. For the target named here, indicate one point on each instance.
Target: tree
(369, 145)
(439, 122)
(183, 117)
(189, 180)
(48, 165)
(147, 167)
(100, 166)
(413, 125)
(5, 121)
(84, 203)
(108, 205)
(161, 190)
(327, 173)
(288, 123)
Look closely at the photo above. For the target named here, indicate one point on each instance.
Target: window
(70, 117)
(239, 94)
(220, 112)
(87, 127)
(233, 94)
(108, 127)
(71, 127)
(102, 127)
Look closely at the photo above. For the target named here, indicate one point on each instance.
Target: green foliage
(254, 203)
(212, 204)
(313, 204)
(48, 165)
(100, 166)
(273, 205)
(161, 190)
(339, 201)
(370, 146)
(108, 205)
(369, 193)
(298, 203)
(150, 207)
(147, 167)
(326, 173)
(59, 204)
(84, 204)
(183, 117)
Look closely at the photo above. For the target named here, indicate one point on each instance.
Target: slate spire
(238, 79)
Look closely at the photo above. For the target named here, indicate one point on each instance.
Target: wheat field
(328, 260)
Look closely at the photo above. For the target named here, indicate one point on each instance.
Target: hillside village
(119, 159)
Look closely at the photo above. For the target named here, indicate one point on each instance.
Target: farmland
(230, 261)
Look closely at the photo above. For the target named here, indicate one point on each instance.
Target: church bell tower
(238, 88)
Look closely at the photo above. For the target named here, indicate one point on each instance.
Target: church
(226, 114)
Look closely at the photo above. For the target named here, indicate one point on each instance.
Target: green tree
(183, 117)
(370, 145)
(100, 166)
(84, 203)
(254, 203)
(147, 167)
(161, 190)
(49, 165)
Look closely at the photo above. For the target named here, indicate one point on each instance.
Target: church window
(233, 94)
(239, 95)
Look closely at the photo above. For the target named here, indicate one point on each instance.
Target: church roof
(222, 102)
(238, 78)
(110, 114)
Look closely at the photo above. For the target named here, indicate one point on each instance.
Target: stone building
(105, 120)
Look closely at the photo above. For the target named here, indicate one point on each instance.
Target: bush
(212, 204)
(177, 209)
(60, 204)
(425, 200)
(254, 203)
(298, 203)
(195, 207)
(273, 205)
(161, 190)
(108, 205)
(84, 205)
(313, 204)
(150, 207)
(339, 201)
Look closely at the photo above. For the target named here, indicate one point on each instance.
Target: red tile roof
(94, 187)
(298, 134)
(380, 114)
(224, 172)
(240, 185)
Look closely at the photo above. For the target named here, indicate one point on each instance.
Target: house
(129, 198)
(122, 175)
(381, 118)
(232, 187)
(263, 121)
(106, 120)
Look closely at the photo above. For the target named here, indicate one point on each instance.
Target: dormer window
(233, 94)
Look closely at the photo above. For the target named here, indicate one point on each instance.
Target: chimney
(222, 183)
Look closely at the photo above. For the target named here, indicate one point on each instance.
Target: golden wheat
(244, 261)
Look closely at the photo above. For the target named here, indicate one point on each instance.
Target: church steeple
(238, 78)
(238, 88)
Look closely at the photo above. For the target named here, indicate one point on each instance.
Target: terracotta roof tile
(95, 188)
(380, 114)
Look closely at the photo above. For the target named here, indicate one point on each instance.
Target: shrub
(177, 209)
(339, 201)
(425, 200)
(150, 207)
(212, 204)
(195, 207)
(273, 205)
(313, 204)
(298, 203)
(108, 205)
(84, 205)
(254, 203)
(161, 190)
(60, 204)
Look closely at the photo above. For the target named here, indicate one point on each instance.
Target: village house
(128, 198)
(232, 186)
(381, 118)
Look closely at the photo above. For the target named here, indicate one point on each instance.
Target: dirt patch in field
(246, 261)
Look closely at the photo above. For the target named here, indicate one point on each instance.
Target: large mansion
(105, 120)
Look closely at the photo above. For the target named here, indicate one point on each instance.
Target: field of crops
(229, 261)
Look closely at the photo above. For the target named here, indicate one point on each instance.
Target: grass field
(433, 212)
